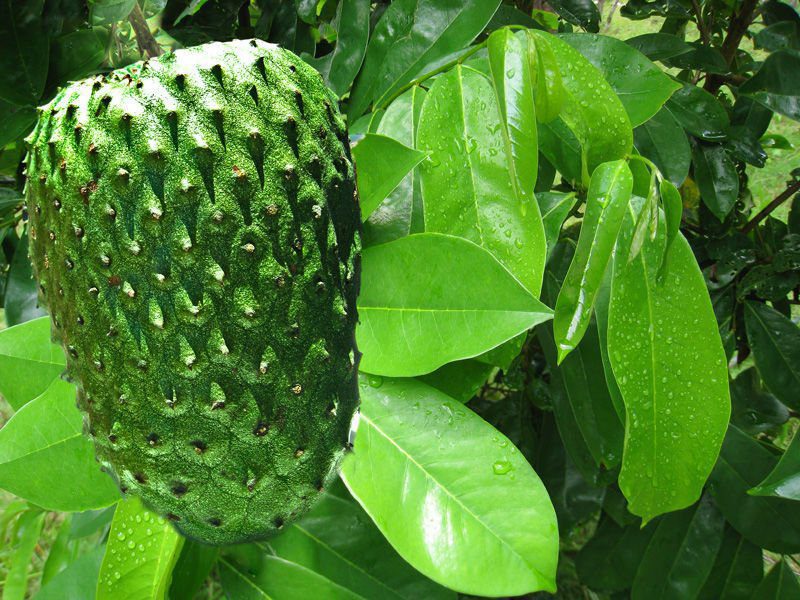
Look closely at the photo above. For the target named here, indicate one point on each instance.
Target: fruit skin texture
(194, 230)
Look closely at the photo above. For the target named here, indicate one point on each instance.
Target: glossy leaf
(659, 46)
(409, 37)
(583, 13)
(141, 551)
(450, 493)
(681, 553)
(673, 210)
(699, 113)
(606, 204)
(459, 380)
(468, 173)
(554, 206)
(340, 67)
(381, 163)
(444, 297)
(775, 342)
(549, 92)
(784, 480)
(78, 580)
(46, 437)
(780, 584)
(362, 561)
(662, 140)
(29, 361)
(737, 570)
(666, 355)
(21, 303)
(770, 523)
(601, 318)
(642, 87)
(775, 84)
(754, 409)
(191, 569)
(24, 53)
(562, 149)
(401, 213)
(717, 179)
(28, 528)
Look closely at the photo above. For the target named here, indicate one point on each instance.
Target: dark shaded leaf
(24, 51)
(784, 480)
(737, 570)
(717, 179)
(662, 140)
(780, 584)
(21, 301)
(776, 85)
(583, 13)
(699, 113)
(755, 410)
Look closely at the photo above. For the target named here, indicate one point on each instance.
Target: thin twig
(145, 40)
(701, 25)
(790, 190)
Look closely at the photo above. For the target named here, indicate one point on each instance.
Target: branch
(701, 25)
(144, 39)
(790, 190)
(740, 21)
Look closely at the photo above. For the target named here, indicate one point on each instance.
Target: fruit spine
(194, 232)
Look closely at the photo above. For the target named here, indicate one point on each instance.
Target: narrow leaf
(784, 480)
(554, 206)
(737, 570)
(192, 569)
(28, 529)
(780, 584)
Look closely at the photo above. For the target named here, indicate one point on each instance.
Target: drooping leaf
(429, 299)
(784, 480)
(775, 342)
(409, 37)
(662, 140)
(659, 46)
(699, 113)
(450, 493)
(468, 173)
(775, 84)
(717, 179)
(45, 437)
(606, 204)
(770, 523)
(141, 551)
(381, 163)
(666, 355)
(340, 67)
(642, 87)
(28, 529)
(191, 569)
(77, 580)
(554, 206)
(737, 570)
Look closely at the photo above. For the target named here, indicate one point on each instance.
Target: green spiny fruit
(195, 234)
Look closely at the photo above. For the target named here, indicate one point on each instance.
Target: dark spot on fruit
(173, 517)
(152, 439)
(72, 351)
(261, 429)
(114, 280)
(278, 522)
(79, 232)
(140, 478)
(199, 446)
(179, 489)
(80, 320)
(299, 452)
(215, 522)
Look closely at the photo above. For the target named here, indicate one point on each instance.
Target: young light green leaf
(717, 179)
(606, 204)
(780, 584)
(381, 164)
(340, 67)
(28, 529)
(784, 480)
(642, 87)
(548, 88)
(466, 510)
(775, 342)
(78, 580)
(666, 354)
(29, 361)
(662, 140)
(429, 299)
(141, 551)
(737, 570)
(362, 561)
(555, 207)
(46, 438)
(473, 167)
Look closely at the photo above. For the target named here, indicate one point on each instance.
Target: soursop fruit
(194, 232)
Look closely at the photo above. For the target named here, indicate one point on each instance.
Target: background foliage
(600, 441)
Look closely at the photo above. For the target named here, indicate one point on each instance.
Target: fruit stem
(145, 40)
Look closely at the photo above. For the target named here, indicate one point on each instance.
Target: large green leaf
(737, 570)
(784, 480)
(45, 458)
(340, 67)
(192, 569)
(382, 163)
(429, 299)
(662, 140)
(776, 85)
(754, 409)
(681, 553)
(472, 185)
(699, 113)
(606, 204)
(411, 36)
(583, 13)
(717, 178)
(453, 496)
(29, 361)
(659, 46)
(362, 561)
(771, 523)
(24, 52)
(78, 580)
(670, 367)
(642, 87)
(141, 551)
(78, 54)
(775, 341)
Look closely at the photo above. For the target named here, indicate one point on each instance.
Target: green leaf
(659, 46)
(642, 87)
(666, 353)
(780, 584)
(443, 297)
(591, 109)
(24, 51)
(469, 184)
(362, 561)
(21, 303)
(775, 84)
(775, 342)
(340, 67)
(681, 553)
(699, 113)
(554, 206)
(460, 380)
(29, 361)
(401, 213)
(78, 580)
(779, 36)
(382, 163)
(450, 493)
(29, 526)
(717, 179)
(737, 570)
(15, 121)
(662, 140)
(141, 551)
(755, 410)
(410, 37)
(191, 570)
(549, 92)
(770, 523)
(673, 210)
(77, 54)
(88, 522)
(106, 12)
(583, 13)
(62, 551)
(784, 480)
(606, 203)
(45, 437)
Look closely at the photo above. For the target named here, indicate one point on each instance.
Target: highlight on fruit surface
(195, 236)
